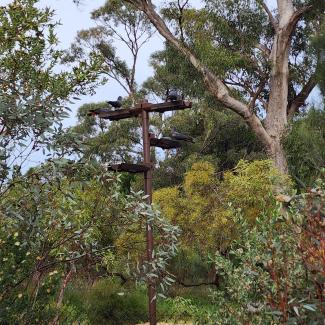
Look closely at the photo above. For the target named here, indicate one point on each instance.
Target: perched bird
(173, 95)
(116, 103)
(98, 111)
(179, 136)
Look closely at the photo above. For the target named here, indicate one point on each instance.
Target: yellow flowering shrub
(204, 206)
(251, 187)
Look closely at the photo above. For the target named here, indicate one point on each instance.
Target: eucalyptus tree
(256, 61)
(33, 94)
(320, 47)
(117, 24)
(62, 221)
(103, 141)
(51, 227)
(221, 136)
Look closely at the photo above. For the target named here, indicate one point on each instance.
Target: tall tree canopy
(255, 61)
(117, 23)
(33, 89)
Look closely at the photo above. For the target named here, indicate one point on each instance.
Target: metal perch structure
(143, 109)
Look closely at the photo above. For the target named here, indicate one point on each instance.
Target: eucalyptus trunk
(278, 109)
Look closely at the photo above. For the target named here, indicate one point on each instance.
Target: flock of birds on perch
(171, 95)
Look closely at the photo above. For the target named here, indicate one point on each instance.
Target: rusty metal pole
(148, 191)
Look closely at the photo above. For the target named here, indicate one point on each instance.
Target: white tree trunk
(276, 118)
(271, 133)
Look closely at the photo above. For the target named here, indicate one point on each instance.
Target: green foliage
(172, 70)
(116, 21)
(192, 267)
(61, 221)
(32, 93)
(108, 142)
(232, 38)
(220, 138)
(178, 309)
(272, 273)
(107, 302)
(305, 148)
(65, 221)
(250, 187)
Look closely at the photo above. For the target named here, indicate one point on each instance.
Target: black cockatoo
(116, 103)
(179, 136)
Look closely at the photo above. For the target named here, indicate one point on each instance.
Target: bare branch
(301, 97)
(295, 18)
(64, 284)
(180, 17)
(256, 94)
(266, 52)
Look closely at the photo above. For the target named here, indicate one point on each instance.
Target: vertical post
(148, 191)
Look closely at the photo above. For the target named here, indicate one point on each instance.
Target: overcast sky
(74, 18)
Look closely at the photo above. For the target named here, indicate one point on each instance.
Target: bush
(305, 148)
(201, 206)
(107, 302)
(274, 273)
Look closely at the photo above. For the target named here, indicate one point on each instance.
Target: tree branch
(214, 84)
(295, 18)
(256, 94)
(301, 97)
(266, 52)
(286, 10)
(64, 284)
(269, 13)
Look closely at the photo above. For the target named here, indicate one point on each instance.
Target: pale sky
(74, 18)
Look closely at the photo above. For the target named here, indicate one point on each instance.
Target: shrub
(107, 302)
(274, 272)
(202, 206)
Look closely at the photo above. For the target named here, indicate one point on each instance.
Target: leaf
(291, 301)
(295, 308)
(310, 307)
